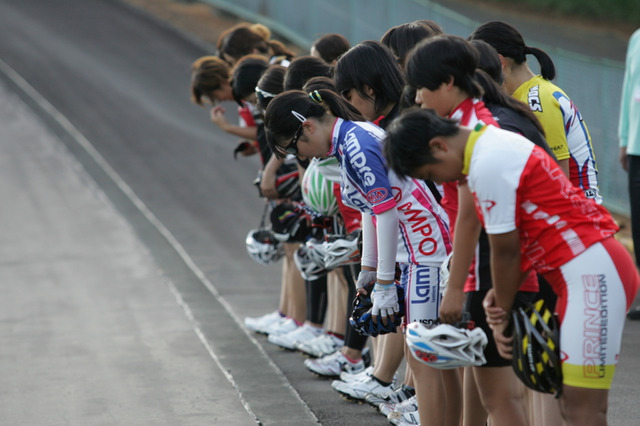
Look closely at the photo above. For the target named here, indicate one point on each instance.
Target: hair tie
(315, 95)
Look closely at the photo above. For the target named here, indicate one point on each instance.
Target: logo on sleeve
(376, 195)
(534, 99)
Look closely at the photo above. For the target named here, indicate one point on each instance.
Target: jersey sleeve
(370, 169)
(552, 121)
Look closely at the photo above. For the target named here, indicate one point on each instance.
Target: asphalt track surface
(124, 274)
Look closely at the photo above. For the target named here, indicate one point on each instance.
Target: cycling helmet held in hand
(289, 224)
(316, 252)
(263, 247)
(446, 346)
(361, 319)
(309, 269)
(536, 348)
(342, 250)
(317, 191)
(287, 181)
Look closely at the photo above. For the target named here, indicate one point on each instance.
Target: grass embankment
(613, 11)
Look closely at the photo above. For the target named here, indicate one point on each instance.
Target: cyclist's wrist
(382, 287)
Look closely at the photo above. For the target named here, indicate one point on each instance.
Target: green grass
(622, 11)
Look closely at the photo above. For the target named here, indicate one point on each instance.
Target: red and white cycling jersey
(469, 113)
(563, 235)
(516, 185)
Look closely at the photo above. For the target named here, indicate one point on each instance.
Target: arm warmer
(369, 242)
(387, 233)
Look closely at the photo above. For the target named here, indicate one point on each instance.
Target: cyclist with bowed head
(353, 356)
(371, 81)
(246, 39)
(370, 78)
(535, 219)
(410, 227)
(515, 115)
(565, 130)
(404, 37)
(211, 82)
(443, 71)
(330, 47)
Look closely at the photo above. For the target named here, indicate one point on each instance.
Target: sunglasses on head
(292, 148)
(263, 95)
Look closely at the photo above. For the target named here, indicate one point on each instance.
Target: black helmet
(536, 348)
(287, 181)
(289, 223)
(361, 319)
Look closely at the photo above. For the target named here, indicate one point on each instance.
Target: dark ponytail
(509, 43)
(336, 104)
(547, 68)
(489, 75)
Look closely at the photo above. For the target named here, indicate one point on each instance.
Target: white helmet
(263, 247)
(330, 169)
(309, 269)
(317, 191)
(342, 250)
(445, 346)
(315, 251)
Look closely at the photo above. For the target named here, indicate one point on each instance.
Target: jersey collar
(471, 144)
(334, 136)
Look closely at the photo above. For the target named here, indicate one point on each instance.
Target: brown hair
(244, 39)
(331, 46)
(207, 74)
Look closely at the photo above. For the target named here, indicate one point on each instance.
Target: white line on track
(83, 142)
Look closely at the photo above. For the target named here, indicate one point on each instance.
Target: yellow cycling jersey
(565, 131)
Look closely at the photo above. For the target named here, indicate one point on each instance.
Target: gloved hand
(385, 302)
(364, 278)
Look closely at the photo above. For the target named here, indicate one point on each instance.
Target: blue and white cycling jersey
(368, 186)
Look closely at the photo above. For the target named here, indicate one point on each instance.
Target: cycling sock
(316, 300)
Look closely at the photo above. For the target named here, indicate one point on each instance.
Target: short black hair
(438, 59)
(406, 144)
(302, 69)
(371, 63)
(246, 75)
(331, 46)
(402, 38)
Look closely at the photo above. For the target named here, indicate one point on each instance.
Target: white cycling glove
(444, 274)
(364, 278)
(385, 300)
